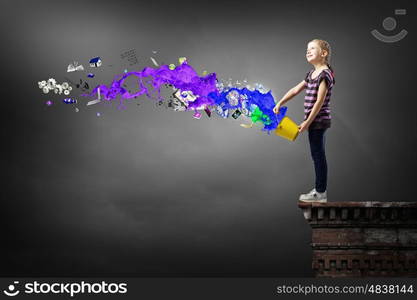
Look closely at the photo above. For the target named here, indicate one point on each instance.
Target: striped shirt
(322, 120)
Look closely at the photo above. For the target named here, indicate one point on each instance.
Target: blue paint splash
(251, 100)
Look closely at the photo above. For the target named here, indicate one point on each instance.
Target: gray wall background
(153, 192)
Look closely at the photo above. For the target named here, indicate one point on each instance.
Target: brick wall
(363, 239)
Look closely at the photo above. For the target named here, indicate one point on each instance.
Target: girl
(319, 83)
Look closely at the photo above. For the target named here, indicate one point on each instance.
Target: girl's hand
(276, 108)
(303, 126)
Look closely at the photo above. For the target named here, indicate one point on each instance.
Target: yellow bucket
(287, 129)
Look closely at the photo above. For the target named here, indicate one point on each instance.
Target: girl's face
(314, 53)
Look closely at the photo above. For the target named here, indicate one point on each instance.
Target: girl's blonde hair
(324, 45)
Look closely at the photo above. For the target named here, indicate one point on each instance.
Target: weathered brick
(362, 239)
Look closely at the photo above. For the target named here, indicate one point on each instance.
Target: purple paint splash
(182, 77)
(185, 78)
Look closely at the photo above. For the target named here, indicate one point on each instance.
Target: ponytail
(330, 67)
(331, 70)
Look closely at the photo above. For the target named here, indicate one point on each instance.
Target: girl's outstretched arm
(289, 95)
(321, 95)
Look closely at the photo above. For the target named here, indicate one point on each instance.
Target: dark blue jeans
(317, 140)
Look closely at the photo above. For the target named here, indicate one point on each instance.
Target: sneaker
(314, 196)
